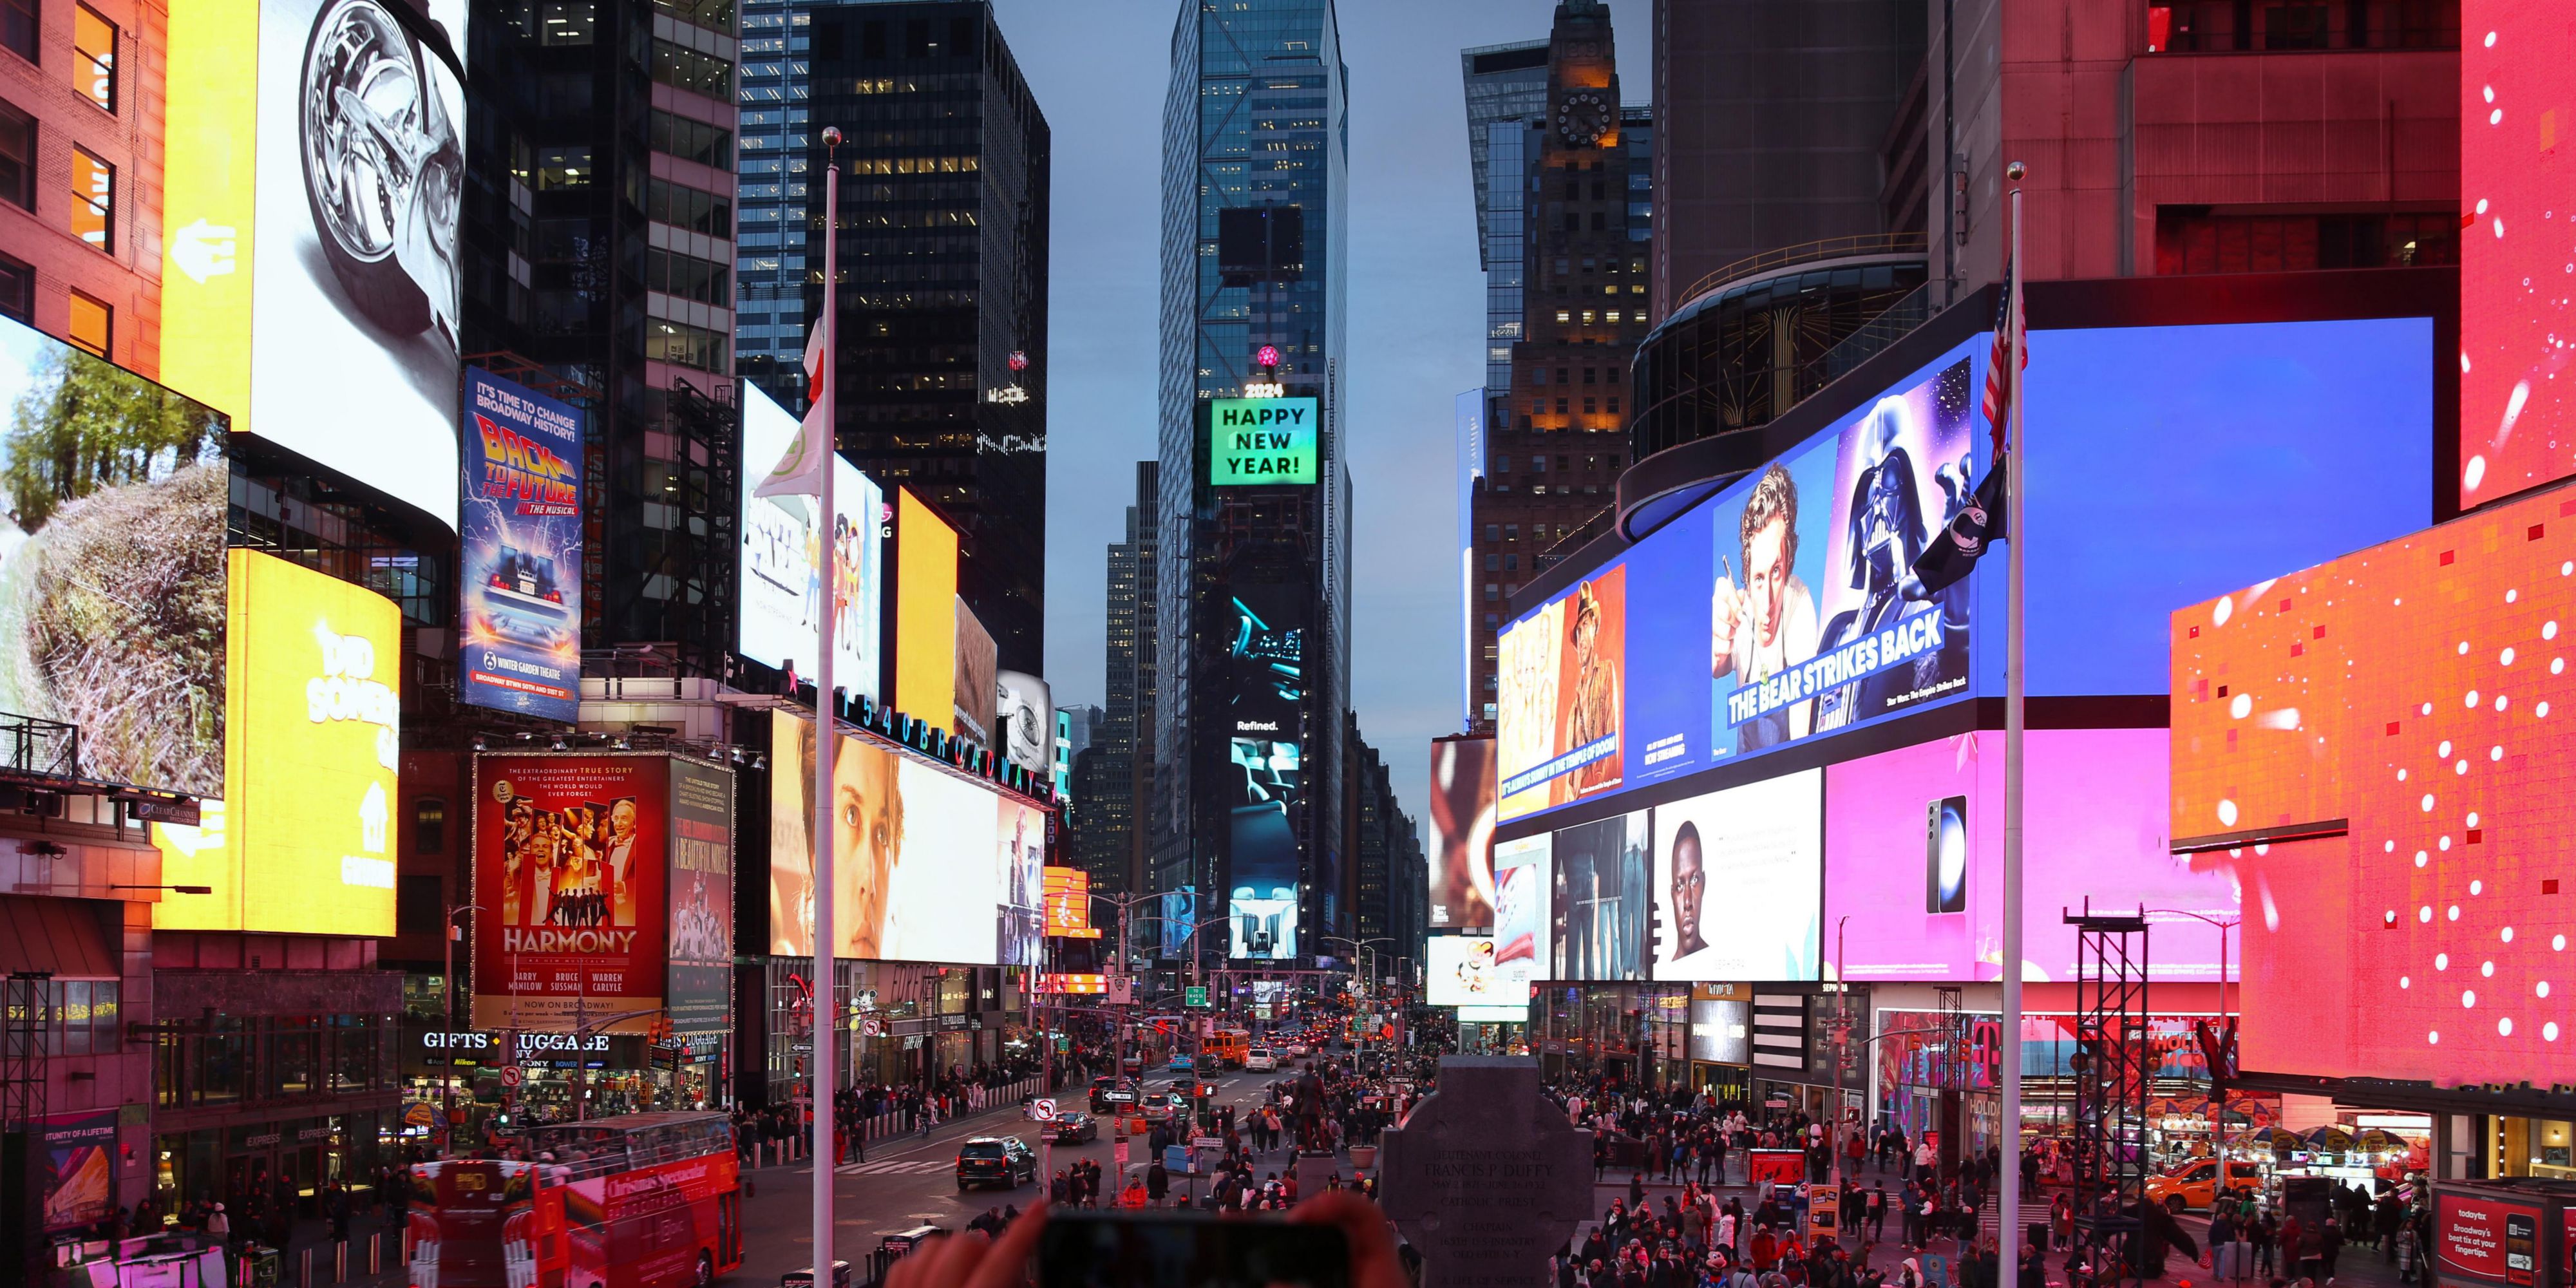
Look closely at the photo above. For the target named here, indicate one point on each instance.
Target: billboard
(1561, 671)
(79, 1168)
(572, 869)
(1068, 903)
(781, 563)
(1265, 696)
(1758, 849)
(1721, 1031)
(112, 599)
(2377, 748)
(1523, 888)
(1261, 441)
(1600, 900)
(925, 611)
(1914, 857)
(1180, 913)
(701, 883)
(1462, 833)
(975, 694)
(302, 841)
(321, 172)
(519, 551)
(1460, 971)
(2517, 100)
(929, 865)
(1024, 722)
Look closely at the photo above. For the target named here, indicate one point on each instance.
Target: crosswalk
(898, 1167)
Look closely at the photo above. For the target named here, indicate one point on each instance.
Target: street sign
(1042, 1110)
(872, 1027)
(1195, 995)
(1207, 1142)
(1119, 1155)
(510, 1075)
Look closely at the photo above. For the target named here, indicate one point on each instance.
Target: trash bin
(804, 1278)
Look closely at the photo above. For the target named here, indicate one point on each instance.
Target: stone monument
(1486, 1178)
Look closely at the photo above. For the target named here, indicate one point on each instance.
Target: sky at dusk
(1415, 334)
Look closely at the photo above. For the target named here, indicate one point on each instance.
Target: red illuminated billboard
(2486, 1240)
(2517, 105)
(2380, 746)
(570, 855)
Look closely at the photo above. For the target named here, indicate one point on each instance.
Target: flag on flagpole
(799, 471)
(2009, 351)
(1977, 520)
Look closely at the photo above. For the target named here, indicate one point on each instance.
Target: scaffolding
(2113, 1073)
(22, 1117)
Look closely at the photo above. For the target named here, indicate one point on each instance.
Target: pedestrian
(1158, 1183)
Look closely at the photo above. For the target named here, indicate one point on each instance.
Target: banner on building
(570, 874)
(701, 885)
(519, 551)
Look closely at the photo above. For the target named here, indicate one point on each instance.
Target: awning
(65, 936)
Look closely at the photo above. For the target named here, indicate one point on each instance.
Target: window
(94, 57)
(86, 1016)
(1561, 407)
(1493, 532)
(1538, 375)
(688, 277)
(93, 200)
(568, 22)
(2194, 240)
(17, 289)
(682, 207)
(92, 325)
(17, 157)
(1591, 375)
(687, 346)
(1511, 531)
(559, 168)
(1493, 563)
(683, 68)
(715, 15)
(429, 825)
(692, 140)
(1561, 374)
(18, 27)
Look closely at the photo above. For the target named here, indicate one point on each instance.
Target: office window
(563, 167)
(692, 140)
(93, 200)
(683, 207)
(18, 27)
(715, 15)
(17, 157)
(683, 68)
(17, 289)
(94, 57)
(92, 325)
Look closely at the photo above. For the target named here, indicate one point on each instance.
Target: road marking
(914, 1167)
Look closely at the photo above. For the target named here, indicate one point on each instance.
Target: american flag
(2008, 350)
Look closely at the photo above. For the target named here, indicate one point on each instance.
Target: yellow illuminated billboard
(302, 842)
(213, 113)
(925, 612)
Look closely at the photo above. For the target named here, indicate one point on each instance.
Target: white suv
(1260, 1060)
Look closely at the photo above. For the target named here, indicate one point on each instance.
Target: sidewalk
(882, 1128)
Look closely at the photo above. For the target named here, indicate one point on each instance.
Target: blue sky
(1416, 297)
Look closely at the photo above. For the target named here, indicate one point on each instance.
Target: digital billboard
(1180, 913)
(571, 874)
(112, 598)
(975, 694)
(1265, 694)
(1524, 887)
(2378, 747)
(1261, 441)
(302, 841)
(2517, 101)
(928, 865)
(1024, 722)
(1068, 903)
(781, 564)
(701, 884)
(519, 551)
(1914, 857)
(1460, 970)
(1601, 900)
(1462, 833)
(1721, 1031)
(320, 162)
(925, 611)
(1754, 851)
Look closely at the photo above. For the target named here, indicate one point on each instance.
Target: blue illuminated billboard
(519, 566)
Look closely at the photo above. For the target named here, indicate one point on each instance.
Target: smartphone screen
(1945, 855)
(1188, 1250)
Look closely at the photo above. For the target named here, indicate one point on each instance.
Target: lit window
(92, 324)
(93, 200)
(1587, 317)
(1614, 315)
(1564, 316)
(94, 57)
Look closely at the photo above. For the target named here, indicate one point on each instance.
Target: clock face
(1583, 118)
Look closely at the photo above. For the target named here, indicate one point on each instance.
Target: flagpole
(827, 1006)
(2008, 1242)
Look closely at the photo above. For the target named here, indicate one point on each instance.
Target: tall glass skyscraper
(769, 269)
(1254, 618)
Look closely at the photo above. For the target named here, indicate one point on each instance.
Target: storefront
(1721, 1041)
(247, 1165)
(1636, 1035)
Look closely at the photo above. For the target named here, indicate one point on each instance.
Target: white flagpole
(2008, 1186)
(827, 1006)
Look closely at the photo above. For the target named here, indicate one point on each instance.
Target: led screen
(1180, 915)
(1024, 716)
(1720, 1031)
(302, 842)
(925, 611)
(699, 997)
(1736, 881)
(112, 566)
(1914, 857)
(571, 856)
(2517, 102)
(1261, 441)
(1265, 691)
(320, 153)
(519, 556)
(1600, 900)
(782, 560)
(1461, 971)
(2405, 707)
(1462, 833)
(1524, 885)
(975, 693)
(929, 866)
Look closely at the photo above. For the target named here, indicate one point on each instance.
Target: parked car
(1072, 1128)
(1260, 1060)
(2195, 1184)
(990, 1160)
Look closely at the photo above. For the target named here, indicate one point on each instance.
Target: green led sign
(1256, 441)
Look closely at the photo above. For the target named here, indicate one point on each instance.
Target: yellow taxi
(2195, 1184)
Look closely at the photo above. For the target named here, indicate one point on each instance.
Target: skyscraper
(1254, 614)
(1112, 789)
(943, 232)
(1506, 99)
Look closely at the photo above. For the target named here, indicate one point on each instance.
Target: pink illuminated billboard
(2517, 104)
(1914, 857)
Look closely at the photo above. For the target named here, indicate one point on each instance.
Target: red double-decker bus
(636, 1201)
